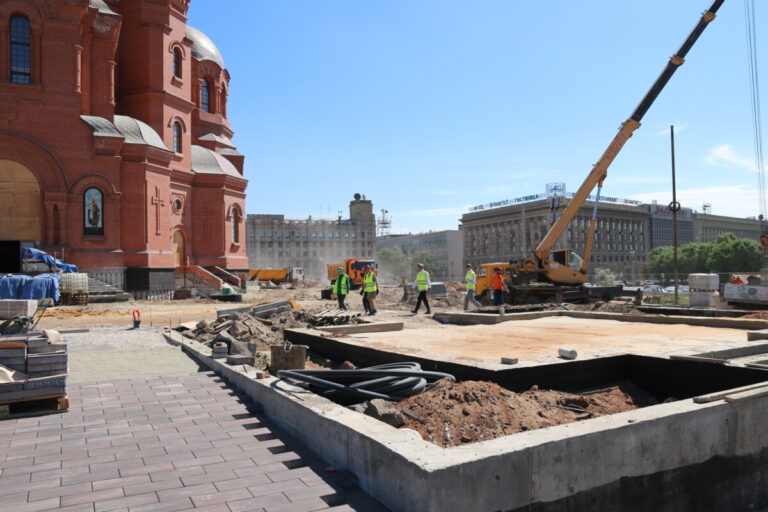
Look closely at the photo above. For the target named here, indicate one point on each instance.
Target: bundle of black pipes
(394, 381)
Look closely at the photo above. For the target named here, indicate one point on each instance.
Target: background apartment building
(512, 230)
(446, 247)
(707, 227)
(277, 242)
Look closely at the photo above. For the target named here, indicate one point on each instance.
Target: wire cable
(394, 381)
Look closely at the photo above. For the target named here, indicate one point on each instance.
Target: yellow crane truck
(559, 275)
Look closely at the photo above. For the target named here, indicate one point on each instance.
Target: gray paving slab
(182, 442)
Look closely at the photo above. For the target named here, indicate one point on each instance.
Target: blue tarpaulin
(28, 253)
(26, 287)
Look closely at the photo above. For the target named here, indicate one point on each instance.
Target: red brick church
(115, 149)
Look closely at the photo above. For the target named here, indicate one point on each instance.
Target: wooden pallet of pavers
(34, 406)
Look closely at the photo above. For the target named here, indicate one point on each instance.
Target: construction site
(527, 386)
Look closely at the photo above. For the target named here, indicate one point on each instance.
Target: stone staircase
(99, 291)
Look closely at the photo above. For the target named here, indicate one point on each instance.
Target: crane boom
(600, 169)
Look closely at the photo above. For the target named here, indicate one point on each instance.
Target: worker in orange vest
(498, 287)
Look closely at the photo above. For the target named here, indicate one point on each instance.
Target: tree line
(726, 254)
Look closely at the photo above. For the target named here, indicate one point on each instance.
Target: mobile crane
(564, 270)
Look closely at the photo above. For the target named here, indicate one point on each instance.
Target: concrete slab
(362, 328)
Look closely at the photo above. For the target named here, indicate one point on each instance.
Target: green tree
(604, 276)
(423, 257)
(692, 258)
(660, 260)
(393, 263)
(731, 254)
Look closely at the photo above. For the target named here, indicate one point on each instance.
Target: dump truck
(354, 269)
(277, 275)
(549, 272)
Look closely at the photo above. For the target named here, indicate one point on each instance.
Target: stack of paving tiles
(11, 308)
(31, 367)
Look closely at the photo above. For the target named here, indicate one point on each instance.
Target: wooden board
(711, 397)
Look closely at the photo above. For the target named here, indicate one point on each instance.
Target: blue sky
(431, 106)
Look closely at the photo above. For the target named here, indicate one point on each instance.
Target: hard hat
(468, 265)
(367, 267)
(340, 269)
(420, 265)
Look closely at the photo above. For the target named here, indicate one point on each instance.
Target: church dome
(203, 48)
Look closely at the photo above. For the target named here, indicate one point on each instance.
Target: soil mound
(455, 413)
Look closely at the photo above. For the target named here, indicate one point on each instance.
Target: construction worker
(369, 291)
(498, 286)
(423, 285)
(341, 287)
(470, 282)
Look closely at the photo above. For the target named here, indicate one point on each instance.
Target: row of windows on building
(263, 245)
(307, 234)
(304, 254)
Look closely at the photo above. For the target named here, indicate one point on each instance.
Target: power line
(754, 83)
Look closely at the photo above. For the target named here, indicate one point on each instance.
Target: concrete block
(509, 360)
(12, 353)
(237, 359)
(37, 342)
(10, 308)
(701, 299)
(46, 382)
(32, 393)
(703, 282)
(567, 353)
(44, 367)
(46, 349)
(361, 328)
(50, 358)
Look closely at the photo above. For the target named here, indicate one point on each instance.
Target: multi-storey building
(511, 230)
(446, 247)
(276, 242)
(707, 227)
(661, 225)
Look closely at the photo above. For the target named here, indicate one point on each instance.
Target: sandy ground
(113, 352)
(533, 339)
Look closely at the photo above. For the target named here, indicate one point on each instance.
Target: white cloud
(732, 200)
(679, 127)
(725, 156)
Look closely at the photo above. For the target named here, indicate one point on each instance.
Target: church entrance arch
(179, 251)
(20, 213)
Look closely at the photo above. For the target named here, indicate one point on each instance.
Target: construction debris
(334, 317)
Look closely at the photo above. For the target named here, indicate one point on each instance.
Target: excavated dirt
(760, 315)
(456, 413)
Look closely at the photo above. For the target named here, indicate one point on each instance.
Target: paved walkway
(163, 444)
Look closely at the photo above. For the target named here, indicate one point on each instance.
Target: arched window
(205, 95)
(223, 102)
(177, 137)
(21, 50)
(235, 226)
(93, 212)
(177, 63)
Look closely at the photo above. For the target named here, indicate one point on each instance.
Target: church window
(205, 95)
(177, 137)
(223, 102)
(93, 212)
(235, 226)
(177, 63)
(21, 50)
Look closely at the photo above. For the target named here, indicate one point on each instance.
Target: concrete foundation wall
(566, 467)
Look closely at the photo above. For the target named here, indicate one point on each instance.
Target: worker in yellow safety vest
(470, 282)
(423, 285)
(370, 290)
(341, 287)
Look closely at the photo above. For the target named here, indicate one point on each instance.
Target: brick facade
(112, 85)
